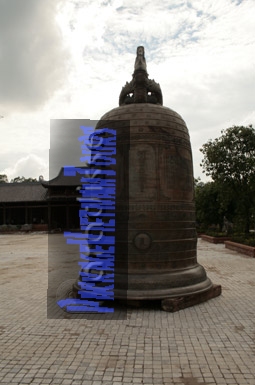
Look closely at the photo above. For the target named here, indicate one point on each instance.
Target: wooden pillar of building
(49, 216)
(4, 215)
(26, 214)
(67, 216)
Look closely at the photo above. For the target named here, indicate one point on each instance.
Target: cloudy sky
(68, 59)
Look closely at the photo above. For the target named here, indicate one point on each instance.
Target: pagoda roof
(37, 191)
(22, 192)
(66, 177)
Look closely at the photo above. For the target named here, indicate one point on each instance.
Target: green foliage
(3, 178)
(231, 158)
(212, 205)
(215, 233)
(28, 180)
(244, 239)
(22, 179)
(18, 179)
(230, 161)
(208, 209)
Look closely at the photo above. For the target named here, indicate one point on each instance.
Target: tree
(230, 161)
(18, 179)
(3, 178)
(207, 204)
(30, 180)
(22, 179)
(211, 206)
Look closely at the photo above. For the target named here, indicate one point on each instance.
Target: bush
(8, 228)
(212, 233)
(244, 239)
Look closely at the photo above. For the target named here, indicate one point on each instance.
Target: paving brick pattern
(211, 343)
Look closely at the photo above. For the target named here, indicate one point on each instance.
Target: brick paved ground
(212, 343)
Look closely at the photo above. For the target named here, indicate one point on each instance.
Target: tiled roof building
(51, 203)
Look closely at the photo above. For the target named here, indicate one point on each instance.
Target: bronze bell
(155, 209)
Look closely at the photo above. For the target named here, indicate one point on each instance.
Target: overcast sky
(68, 59)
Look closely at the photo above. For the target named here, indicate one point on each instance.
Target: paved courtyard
(211, 343)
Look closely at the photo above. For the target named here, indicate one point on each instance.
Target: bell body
(155, 232)
(155, 209)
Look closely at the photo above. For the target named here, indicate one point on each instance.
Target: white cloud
(202, 52)
(29, 166)
(33, 61)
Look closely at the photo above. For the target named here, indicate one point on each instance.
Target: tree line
(230, 195)
(18, 179)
